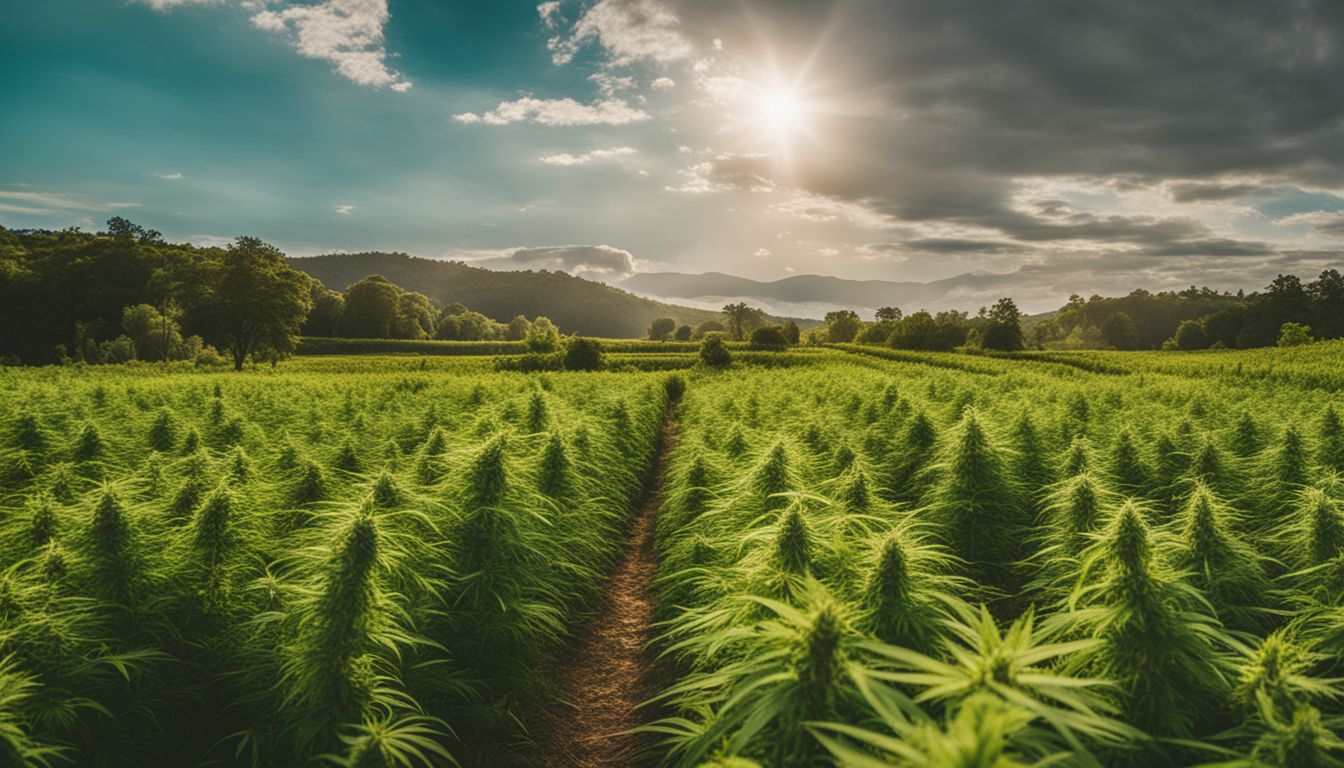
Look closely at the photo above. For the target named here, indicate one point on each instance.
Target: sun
(781, 109)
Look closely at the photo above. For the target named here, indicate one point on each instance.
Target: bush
(583, 355)
(1189, 336)
(714, 352)
(1294, 334)
(769, 337)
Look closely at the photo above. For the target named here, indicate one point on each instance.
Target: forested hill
(574, 304)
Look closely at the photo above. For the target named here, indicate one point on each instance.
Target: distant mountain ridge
(575, 305)
(800, 290)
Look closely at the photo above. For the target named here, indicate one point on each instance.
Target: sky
(1080, 147)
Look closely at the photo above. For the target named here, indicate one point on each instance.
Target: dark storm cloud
(1199, 192)
(973, 95)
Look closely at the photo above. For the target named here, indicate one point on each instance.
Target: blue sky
(1087, 152)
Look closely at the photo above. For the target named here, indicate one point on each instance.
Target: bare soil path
(609, 669)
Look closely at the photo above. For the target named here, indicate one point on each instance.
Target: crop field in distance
(847, 557)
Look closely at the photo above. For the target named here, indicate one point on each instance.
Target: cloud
(596, 260)
(727, 173)
(168, 5)
(609, 85)
(823, 209)
(1214, 191)
(47, 203)
(549, 13)
(346, 33)
(587, 157)
(663, 84)
(343, 209)
(557, 112)
(174, 176)
(629, 31)
(762, 252)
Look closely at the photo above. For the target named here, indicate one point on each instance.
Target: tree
(714, 352)
(684, 333)
(156, 336)
(915, 331)
(583, 355)
(708, 327)
(415, 316)
(544, 336)
(662, 329)
(1119, 331)
(842, 325)
(1327, 304)
(1294, 335)
(742, 319)
(888, 314)
(519, 327)
(1003, 330)
(1190, 335)
(324, 319)
(370, 309)
(769, 337)
(790, 331)
(247, 294)
(1225, 326)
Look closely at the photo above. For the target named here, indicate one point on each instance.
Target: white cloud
(343, 209)
(587, 157)
(762, 251)
(168, 5)
(346, 33)
(557, 112)
(828, 252)
(726, 89)
(599, 260)
(822, 209)
(727, 173)
(629, 31)
(663, 84)
(45, 203)
(549, 13)
(718, 44)
(174, 176)
(610, 84)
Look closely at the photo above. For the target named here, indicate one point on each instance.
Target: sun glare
(781, 109)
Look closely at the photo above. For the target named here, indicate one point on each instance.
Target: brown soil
(609, 669)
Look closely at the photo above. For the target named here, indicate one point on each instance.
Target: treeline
(1198, 318)
(998, 328)
(125, 293)
(375, 308)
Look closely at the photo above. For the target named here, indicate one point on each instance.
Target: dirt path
(609, 669)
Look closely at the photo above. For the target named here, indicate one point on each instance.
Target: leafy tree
(888, 314)
(790, 331)
(1003, 330)
(742, 319)
(915, 331)
(1225, 326)
(156, 336)
(544, 337)
(1119, 331)
(324, 319)
(370, 309)
(708, 327)
(415, 317)
(662, 329)
(714, 352)
(684, 333)
(769, 337)
(1294, 335)
(1190, 335)
(583, 355)
(1327, 304)
(842, 325)
(519, 327)
(247, 294)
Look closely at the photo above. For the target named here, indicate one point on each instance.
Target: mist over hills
(814, 295)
